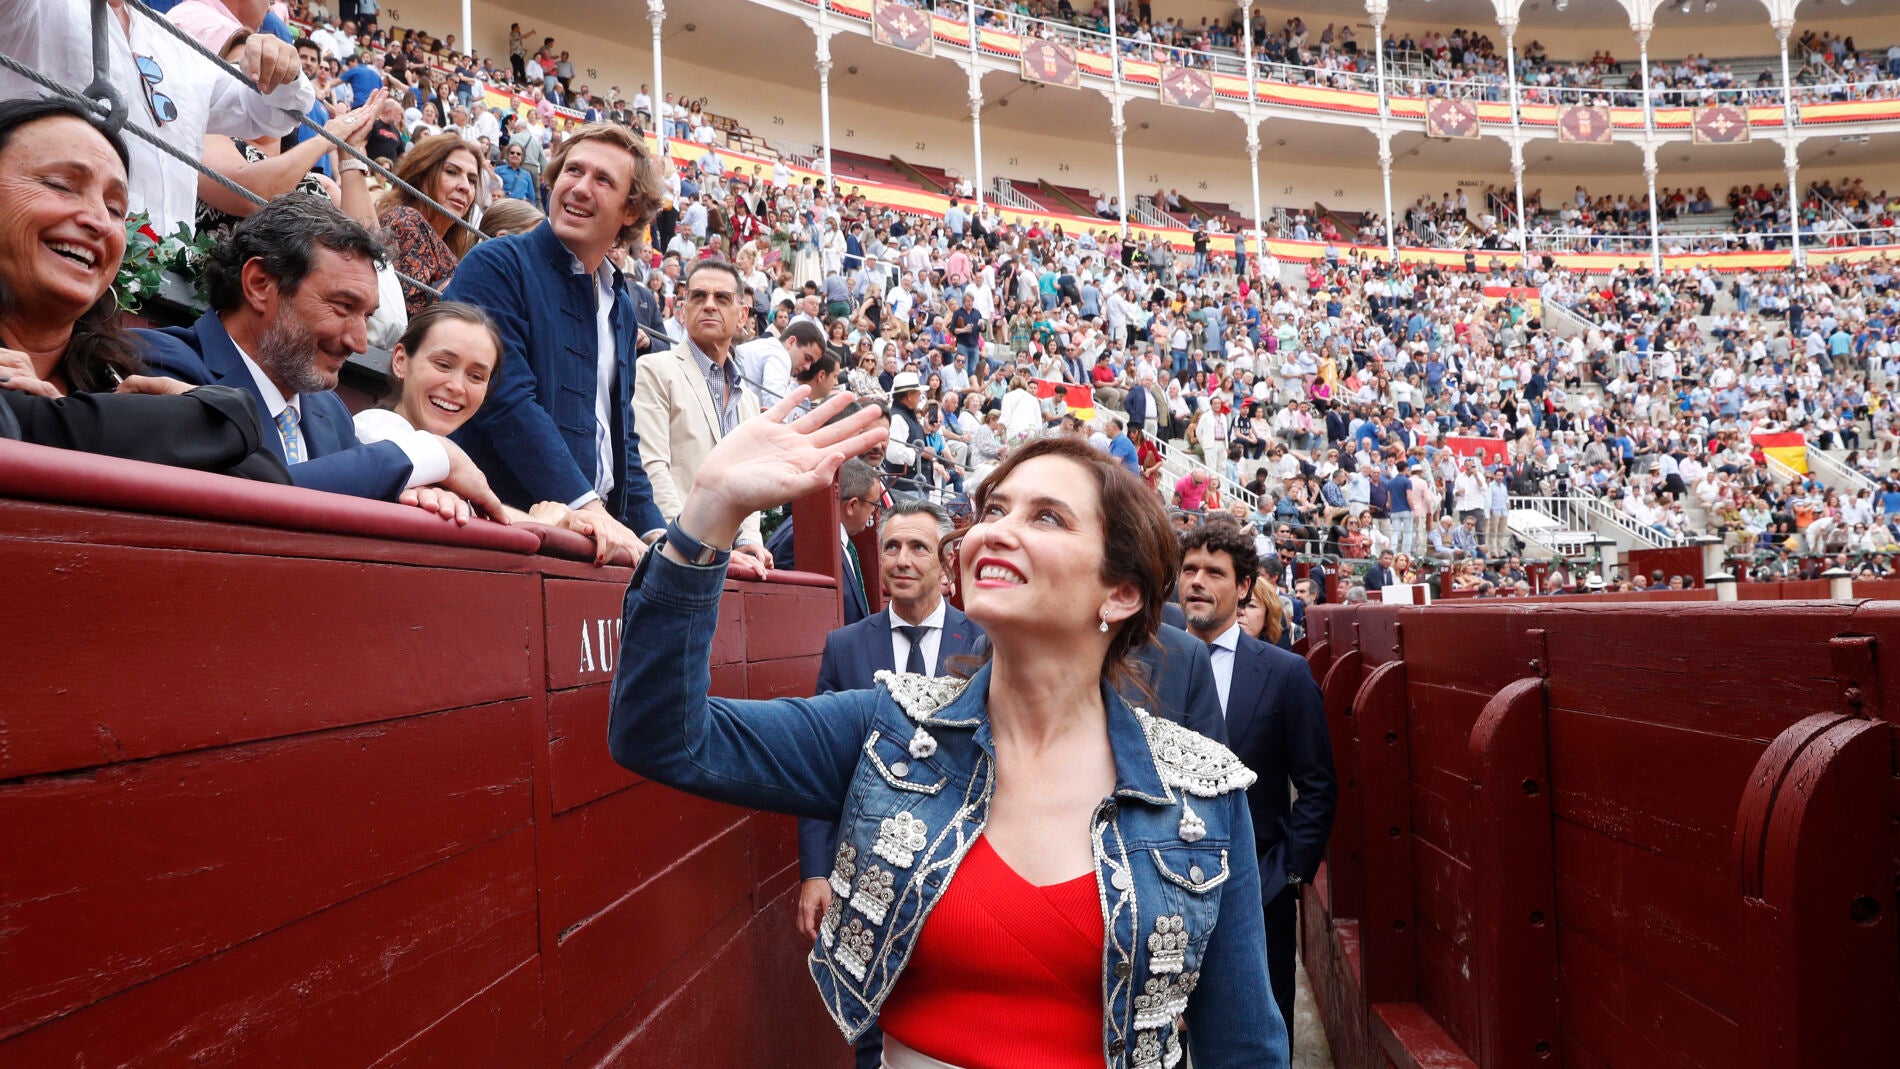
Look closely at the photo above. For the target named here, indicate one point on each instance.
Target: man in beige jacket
(685, 399)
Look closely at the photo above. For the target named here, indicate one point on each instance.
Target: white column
(1790, 160)
(1385, 178)
(824, 31)
(1253, 127)
(976, 110)
(656, 14)
(468, 26)
(1509, 24)
(1655, 224)
(1642, 26)
(1120, 127)
(1377, 9)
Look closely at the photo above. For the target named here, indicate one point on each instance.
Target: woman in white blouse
(442, 368)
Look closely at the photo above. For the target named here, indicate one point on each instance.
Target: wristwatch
(697, 553)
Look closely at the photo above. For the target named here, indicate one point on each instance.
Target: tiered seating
(847, 165)
(1031, 188)
(936, 179)
(1084, 200)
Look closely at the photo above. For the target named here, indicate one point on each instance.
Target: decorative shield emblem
(1584, 124)
(1186, 87)
(1052, 62)
(1720, 124)
(1451, 118)
(901, 26)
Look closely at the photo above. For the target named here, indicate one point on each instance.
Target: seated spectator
(441, 369)
(558, 423)
(427, 242)
(506, 217)
(64, 190)
(291, 291)
(517, 182)
(171, 91)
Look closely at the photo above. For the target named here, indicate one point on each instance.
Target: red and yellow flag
(1079, 398)
(1789, 447)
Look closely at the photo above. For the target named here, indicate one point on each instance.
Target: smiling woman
(1029, 870)
(63, 196)
(426, 242)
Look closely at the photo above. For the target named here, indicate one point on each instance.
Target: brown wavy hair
(647, 190)
(1138, 543)
(418, 167)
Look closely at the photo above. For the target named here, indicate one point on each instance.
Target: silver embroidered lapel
(921, 697)
(1192, 761)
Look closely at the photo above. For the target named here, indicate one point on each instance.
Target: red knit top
(1005, 974)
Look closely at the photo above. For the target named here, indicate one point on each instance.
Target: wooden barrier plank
(583, 631)
(580, 767)
(344, 986)
(595, 855)
(124, 873)
(502, 1025)
(1663, 789)
(1632, 1019)
(795, 677)
(1685, 926)
(1814, 856)
(606, 961)
(1345, 895)
(778, 621)
(1388, 935)
(1696, 667)
(774, 854)
(1515, 946)
(1445, 971)
(289, 644)
(1410, 1038)
(1444, 895)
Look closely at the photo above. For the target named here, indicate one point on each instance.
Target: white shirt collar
(1229, 639)
(934, 620)
(274, 400)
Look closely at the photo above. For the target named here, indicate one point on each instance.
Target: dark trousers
(1282, 919)
(870, 1048)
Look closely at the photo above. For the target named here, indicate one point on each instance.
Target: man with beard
(292, 289)
(1276, 725)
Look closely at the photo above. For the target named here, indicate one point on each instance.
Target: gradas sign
(583, 631)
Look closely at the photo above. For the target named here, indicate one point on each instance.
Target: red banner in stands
(1487, 450)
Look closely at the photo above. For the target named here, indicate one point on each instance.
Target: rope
(162, 22)
(164, 146)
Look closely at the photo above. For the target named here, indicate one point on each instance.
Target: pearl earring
(1104, 623)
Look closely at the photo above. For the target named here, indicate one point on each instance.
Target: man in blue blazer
(292, 288)
(917, 632)
(558, 422)
(1276, 725)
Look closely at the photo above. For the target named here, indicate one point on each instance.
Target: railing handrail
(1835, 471)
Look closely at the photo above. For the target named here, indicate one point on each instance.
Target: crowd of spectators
(1322, 407)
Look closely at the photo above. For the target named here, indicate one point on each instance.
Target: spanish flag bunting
(1079, 398)
(1789, 447)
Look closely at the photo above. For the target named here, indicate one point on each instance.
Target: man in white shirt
(1470, 496)
(170, 91)
(772, 365)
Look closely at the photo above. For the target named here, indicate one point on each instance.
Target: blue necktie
(915, 633)
(293, 439)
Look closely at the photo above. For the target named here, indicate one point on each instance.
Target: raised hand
(766, 461)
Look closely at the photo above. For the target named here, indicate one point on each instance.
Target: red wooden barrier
(301, 797)
(1611, 835)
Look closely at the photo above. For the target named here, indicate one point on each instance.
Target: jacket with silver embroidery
(908, 771)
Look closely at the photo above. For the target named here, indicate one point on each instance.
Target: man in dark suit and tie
(860, 490)
(919, 632)
(1380, 574)
(292, 288)
(1276, 725)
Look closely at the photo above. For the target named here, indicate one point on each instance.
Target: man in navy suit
(558, 422)
(860, 489)
(1276, 725)
(919, 632)
(292, 288)
(1381, 575)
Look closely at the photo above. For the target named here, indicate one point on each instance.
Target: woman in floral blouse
(425, 243)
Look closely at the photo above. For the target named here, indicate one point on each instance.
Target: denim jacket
(908, 769)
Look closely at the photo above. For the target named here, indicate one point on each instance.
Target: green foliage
(148, 258)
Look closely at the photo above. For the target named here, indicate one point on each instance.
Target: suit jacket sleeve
(1309, 753)
(375, 471)
(652, 413)
(519, 431)
(211, 428)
